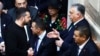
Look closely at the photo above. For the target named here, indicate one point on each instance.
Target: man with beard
(16, 41)
(22, 4)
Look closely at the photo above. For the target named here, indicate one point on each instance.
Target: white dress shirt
(78, 21)
(82, 46)
(41, 36)
(26, 31)
(0, 28)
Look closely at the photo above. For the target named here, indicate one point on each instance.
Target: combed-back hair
(84, 30)
(39, 23)
(21, 12)
(80, 8)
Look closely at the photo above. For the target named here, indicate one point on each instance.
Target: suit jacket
(90, 49)
(33, 12)
(5, 22)
(47, 47)
(68, 35)
(41, 4)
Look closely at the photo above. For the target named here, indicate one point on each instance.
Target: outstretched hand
(53, 34)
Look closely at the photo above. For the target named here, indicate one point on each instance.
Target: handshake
(30, 52)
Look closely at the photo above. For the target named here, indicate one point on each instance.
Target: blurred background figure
(64, 5)
(54, 19)
(8, 4)
(41, 5)
(22, 4)
(5, 20)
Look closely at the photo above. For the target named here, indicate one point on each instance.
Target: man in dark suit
(43, 45)
(22, 3)
(76, 15)
(84, 46)
(16, 41)
(5, 20)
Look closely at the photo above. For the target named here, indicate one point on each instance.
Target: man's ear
(84, 37)
(22, 18)
(78, 15)
(38, 29)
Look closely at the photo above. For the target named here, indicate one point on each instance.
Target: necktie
(35, 49)
(77, 51)
(70, 27)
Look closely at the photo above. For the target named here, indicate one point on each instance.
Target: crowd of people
(39, 28)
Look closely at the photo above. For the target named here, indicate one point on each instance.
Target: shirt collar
(41, 36)
(81, 46)
(78, 21)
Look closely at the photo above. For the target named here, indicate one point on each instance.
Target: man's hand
(30, 51)
(59, 42)
(53, 34)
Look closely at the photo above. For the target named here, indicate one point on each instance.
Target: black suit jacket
(47, 47)
(90, 49)
(6, 20)
(68, 35)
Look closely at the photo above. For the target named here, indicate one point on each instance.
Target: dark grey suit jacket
(33, 12)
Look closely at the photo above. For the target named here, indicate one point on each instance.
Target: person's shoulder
(32, 8)
(83, 22)
(11, 10)
(4, 15)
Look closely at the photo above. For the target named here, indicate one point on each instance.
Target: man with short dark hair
(43, 45)
(33, 13)
(16, 41)
(22, 4)
(84, 46)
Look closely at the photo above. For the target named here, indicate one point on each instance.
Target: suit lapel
(84, 51)
(42, 45)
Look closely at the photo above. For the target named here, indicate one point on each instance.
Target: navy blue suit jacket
(68, 35)
(47, 47)
(90, 49)
(5, 21)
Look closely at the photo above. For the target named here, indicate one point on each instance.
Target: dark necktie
(70, 27)
(35, 49)
(77, 50)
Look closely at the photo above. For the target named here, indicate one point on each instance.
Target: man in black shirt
(16, 41)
